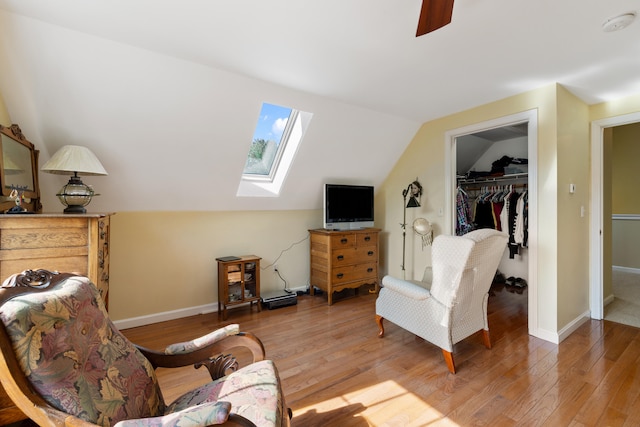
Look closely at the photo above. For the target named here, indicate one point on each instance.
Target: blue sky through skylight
(271, 123)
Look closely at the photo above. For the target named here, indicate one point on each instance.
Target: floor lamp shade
(75, 160)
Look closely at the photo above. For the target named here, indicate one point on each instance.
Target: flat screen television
(348, 207)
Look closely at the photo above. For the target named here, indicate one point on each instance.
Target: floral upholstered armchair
(63, 362)
(450, 303)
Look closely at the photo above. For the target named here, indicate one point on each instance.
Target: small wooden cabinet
(58, 242)
(343, 259)
(238, 283)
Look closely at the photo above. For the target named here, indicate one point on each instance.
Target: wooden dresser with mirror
(30, 239)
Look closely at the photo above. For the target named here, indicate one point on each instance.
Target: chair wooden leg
(448, 358)
(379, 322)
(486, 338)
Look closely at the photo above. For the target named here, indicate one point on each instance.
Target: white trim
(626, 269)
(596, 302)
(164, 316)
(626, 217)
(561, 335)
(572, 326)
(608, 300)
(176, 314)
(530, 117)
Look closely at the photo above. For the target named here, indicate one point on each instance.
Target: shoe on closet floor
(520, 283)
(511, 281)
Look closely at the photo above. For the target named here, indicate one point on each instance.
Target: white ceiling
(148, 83)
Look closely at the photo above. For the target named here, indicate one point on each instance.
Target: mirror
(20, 192)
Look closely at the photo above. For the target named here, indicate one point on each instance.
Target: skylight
(275, 141)
(269, 140)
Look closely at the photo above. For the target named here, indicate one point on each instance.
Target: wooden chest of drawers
(343, 259)
(57, 242)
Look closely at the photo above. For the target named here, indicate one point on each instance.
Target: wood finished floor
(337, 372)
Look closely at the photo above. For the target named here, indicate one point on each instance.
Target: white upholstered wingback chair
(450, 304)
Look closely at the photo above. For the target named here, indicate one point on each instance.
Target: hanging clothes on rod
(498, 207)
(464, 217)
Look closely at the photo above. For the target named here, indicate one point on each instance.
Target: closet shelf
(489, 179)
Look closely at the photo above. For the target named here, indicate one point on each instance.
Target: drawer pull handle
(367, 238)
(369, 270)
(339, 275)
(340, 257)
(370, 253)
(344, 240)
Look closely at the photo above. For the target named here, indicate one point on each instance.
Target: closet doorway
(477, 147)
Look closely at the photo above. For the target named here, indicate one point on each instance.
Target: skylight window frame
(284, 140)
(253, 185)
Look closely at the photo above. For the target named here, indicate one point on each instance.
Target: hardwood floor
(337, 372)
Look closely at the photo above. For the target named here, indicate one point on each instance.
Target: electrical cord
(283, 251)
(286, 288)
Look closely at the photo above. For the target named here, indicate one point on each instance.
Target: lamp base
(75, 195)
(75, 209)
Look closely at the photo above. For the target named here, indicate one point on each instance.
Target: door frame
(530, 117)
(596, 277)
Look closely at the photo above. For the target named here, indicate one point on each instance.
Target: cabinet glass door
(250, 280)
(234, 280)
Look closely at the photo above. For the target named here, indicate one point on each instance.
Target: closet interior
(492, 178)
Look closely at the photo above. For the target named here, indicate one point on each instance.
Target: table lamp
(73, 160)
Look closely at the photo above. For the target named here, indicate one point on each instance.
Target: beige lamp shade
(72, 159)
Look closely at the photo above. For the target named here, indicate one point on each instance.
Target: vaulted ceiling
(167, 93)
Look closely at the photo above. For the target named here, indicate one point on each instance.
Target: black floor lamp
(414, 191)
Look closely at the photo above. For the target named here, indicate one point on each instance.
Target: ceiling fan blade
(433, 15)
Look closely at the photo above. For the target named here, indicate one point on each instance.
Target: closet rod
(501, 178)
(506, 185)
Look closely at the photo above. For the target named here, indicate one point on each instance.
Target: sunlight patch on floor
(372, 404)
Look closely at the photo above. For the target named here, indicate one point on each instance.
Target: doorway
(597, 237)
(530, 118)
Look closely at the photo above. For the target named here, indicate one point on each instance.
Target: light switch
(572, 188)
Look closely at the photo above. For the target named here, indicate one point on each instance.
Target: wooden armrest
(203, 355)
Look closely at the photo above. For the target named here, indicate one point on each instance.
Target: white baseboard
(573, 325)
(558, 337)
(174, 314)
(627, 269)
(543, 334)
(608, 300)
(164, 316)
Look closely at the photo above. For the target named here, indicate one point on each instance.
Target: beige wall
(573, 226)
(165, 261)
(619, 107)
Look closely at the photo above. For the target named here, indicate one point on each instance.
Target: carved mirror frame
(19, 187)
